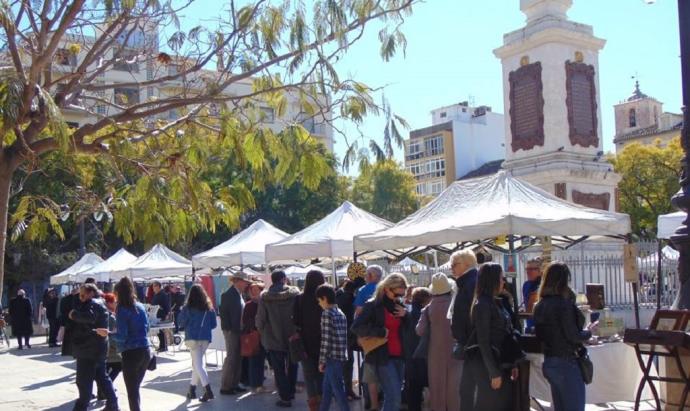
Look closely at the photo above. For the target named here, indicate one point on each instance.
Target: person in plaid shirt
(333, 351)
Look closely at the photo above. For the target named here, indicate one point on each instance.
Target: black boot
(192, 392)
(208, 394)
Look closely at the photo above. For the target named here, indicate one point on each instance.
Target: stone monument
(551, 98)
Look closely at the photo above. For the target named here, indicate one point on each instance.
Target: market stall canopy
(489, 207)
(667, 224)
(101, 271)
(668, 254)
(69, 275)
(301, 272)
(246, 247)
(407, 263)
(158, 262)
(330, 237)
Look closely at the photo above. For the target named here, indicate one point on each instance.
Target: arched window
(632, 118)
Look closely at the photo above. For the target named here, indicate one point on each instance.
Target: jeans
(334, 386)
(313, 379)
(285, 373)
(256, 369)
(391, 380)
(162, 341)
(348, 368)
(134, 365)
(197, 349)
(104, 383)
(86, 374)
(53, 331)
(113, 369)
(416, 378)
(567, 385)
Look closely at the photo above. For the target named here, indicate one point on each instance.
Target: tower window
(632, 118)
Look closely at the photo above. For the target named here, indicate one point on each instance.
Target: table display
(616, 375)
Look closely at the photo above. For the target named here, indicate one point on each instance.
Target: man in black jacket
(51, 305)
(162, 300)
(89, 348)
(231, 306)
(464, 270)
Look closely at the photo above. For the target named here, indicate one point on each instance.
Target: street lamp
(681, 200)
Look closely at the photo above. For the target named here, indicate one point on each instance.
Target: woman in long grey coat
(444, 370)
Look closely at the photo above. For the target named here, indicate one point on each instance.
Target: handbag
(585, 364)
(296, 348)
(152, 362)
(250, 343)
(369, 344)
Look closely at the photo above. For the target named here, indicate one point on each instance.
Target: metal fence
(589, 265)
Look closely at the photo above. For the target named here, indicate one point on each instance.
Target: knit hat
(440, 284)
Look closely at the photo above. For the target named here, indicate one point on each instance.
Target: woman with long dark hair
(485, 360)
(307, 318)
(385, 316)
(198, 320)
(132, 340)
(559, 327)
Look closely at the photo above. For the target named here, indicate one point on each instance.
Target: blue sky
(449, 57)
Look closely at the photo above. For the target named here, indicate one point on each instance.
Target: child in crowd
(333, 353)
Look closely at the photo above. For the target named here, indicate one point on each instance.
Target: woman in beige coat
(444, 370)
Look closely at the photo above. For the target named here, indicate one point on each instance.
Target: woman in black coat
(307, 318)
(486, 357)
(21, 314)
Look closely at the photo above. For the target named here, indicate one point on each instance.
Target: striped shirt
(333, 335)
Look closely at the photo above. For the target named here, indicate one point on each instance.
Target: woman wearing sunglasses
(384, 317)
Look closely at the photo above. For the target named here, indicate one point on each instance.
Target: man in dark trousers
(162, 300)
(463, 265)
(177, 298)
(231, 306)
(21, 314)
(90, 319)
(65, 306)
(51, 305)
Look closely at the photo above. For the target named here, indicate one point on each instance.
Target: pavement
(40, 379)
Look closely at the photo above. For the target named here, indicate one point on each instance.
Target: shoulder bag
(250, 343)
(585, 364)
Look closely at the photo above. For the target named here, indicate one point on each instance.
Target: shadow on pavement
(49, 383)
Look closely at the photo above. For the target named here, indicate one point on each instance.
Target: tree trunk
(6, 172)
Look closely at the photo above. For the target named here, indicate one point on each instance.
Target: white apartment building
(136, 70)
(460, 140)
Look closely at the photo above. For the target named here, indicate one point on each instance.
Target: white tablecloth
(616, 375)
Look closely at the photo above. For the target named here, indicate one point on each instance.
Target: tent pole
(335, 274)
(634, 290)
(658, 274)
(511, 249)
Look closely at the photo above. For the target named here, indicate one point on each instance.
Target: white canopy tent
(245, 248)
(101, 272)
(69, 275)
(158, 262)
(407, 263)
(489, 207)
(330, 237)
(667, 224)
(301, 272)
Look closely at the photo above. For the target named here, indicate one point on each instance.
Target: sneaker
(239, 389)
(284, 404)
(260, 390)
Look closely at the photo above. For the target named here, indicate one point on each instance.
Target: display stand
(666, 337)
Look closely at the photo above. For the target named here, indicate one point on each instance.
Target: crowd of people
(459, 337)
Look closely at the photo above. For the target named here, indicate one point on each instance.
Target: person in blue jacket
(198, 319)
(132, 341)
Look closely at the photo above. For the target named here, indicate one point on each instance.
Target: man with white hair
(463, 264)
(369, 378)
(21, 314)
